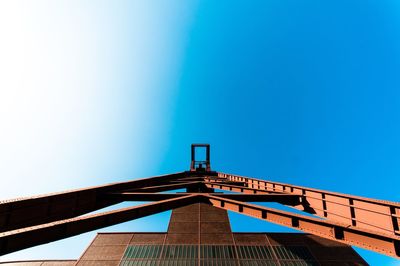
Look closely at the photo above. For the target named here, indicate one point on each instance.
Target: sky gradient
(306, 93)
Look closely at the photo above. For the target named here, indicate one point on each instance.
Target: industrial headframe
(351, 220)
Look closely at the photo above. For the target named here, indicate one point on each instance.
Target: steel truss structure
(363, 222)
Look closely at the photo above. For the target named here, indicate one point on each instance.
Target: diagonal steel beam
(372, 240)
(365, 213)
(280, 198)
(142, 196)
(217, 179)
(23, 212)
(235, 188)
(31, 236)
(166, 187)
(192, 179)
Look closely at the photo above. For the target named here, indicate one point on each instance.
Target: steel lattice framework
(363, 222)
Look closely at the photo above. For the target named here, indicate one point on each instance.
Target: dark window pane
(180, 252)
(178, 262)
(139, 252)
(279, 252)
(293, 253)
(150, 251)
(266, 253)
(248, 252)
(216, 251)
(146, 252)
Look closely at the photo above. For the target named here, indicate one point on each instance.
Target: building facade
(200, 234)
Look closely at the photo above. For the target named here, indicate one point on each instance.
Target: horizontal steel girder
(360, 212)
(166, 187)
(31, 236)
(144, 196)
(235, 188)
(140, 196)
(382, 243)
(23, 212)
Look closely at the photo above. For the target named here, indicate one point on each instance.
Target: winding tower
(199, 231)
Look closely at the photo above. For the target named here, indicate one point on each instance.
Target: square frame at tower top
(197, 164)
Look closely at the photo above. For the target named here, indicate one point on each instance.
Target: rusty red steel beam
(189, 179)
(15, 240)
(370, 214)
(383, 243)
(195, 176)
(140, 196)
(231, 183)
(280, 198)
(144, 196)
(217, 179)
(235, 188)
(23, 212)
(166, 187)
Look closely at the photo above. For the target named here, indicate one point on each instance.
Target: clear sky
(302, 92)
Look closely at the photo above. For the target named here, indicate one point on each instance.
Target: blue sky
(302, 92)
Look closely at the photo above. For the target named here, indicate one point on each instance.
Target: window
(208, 251)
(143, 251)
(216, 255)
(180, 252)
